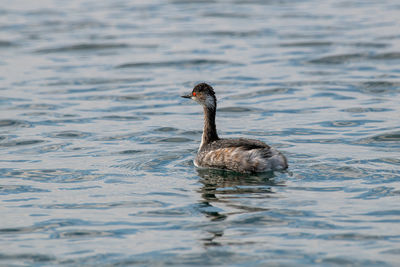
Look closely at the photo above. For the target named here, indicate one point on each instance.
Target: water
(96, 146)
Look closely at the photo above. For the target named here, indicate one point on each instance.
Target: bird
(239, 155)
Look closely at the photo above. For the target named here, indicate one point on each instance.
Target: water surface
(96, 146)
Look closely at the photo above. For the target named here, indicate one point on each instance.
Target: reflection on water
(221, 186)
(224, 188)
(227, 184)
(97, 147)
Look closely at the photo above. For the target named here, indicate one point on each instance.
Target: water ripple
(91, 81)
(27, 258)
(339, 59)
(18, 143)
(4, 44)
(69, 134)
(82, 47)
(391, 138)
(180, 63)
(379, 87)
(365, 109)
(379, 192)
(387, 56)
(101, 206)
(18, 189)
(346, 123)
(14, 123)
(37, 106)
(306, 44)
(52, 175)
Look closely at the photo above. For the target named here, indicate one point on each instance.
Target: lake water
(96, 146)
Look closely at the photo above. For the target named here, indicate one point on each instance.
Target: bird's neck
(209, 130)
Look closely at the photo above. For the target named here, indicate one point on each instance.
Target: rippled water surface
(96, 146)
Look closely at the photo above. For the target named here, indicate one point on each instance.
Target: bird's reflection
(226, 193)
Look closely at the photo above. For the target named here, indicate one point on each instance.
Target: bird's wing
(245, 144)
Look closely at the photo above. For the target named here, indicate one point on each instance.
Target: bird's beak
(186, 96)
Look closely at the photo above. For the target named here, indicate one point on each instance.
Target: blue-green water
(96, 146)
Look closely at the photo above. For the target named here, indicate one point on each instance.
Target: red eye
(194, 93)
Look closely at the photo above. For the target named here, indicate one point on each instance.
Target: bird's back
(241, 155)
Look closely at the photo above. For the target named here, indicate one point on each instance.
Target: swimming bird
(240, 155)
